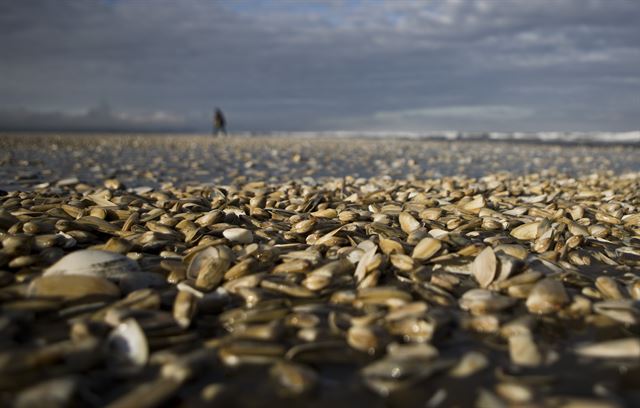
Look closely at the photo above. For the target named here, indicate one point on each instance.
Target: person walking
(219, 123)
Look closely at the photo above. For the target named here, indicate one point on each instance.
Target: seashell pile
(499, 290)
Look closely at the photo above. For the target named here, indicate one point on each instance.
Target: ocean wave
(605, 138)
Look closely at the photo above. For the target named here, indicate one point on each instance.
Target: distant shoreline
(588, 139)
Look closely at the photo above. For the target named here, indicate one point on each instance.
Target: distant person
(219, 123)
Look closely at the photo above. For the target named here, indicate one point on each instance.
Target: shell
(482, 301)
(72, 287)
(526, 232)
(623, 311)
(471, 363)
(295, 378)
(239, 235)
(90, 262)
(209, 266)
(622, 348)
(393, 373)
(408, 223)
(523, 350)
(426, 248)
(129, 343)
(609, 288)
(484, 267)
(547, 296)
(109, 265)
(366, 264)
(54, 392)
(184, 308)
(474, 205)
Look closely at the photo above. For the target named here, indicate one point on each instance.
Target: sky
(293, 65)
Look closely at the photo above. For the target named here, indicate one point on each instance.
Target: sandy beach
(183, 270)
(30, 159)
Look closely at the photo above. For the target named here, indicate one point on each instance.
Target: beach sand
(161, 270)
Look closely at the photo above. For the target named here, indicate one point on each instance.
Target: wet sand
(27, 159)
(186, 270)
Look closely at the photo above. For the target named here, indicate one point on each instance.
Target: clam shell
(526, 232)
(523, 350)
(365, 263)
(482, 301)
(72, 287)
(408, 224)
(624, 311)
(609, 288)
(90, 262)
(184, 308)
(293, 377)
(129, 343)
(474, 205)
(209, 266)
(484, 267)
(239, 235)
(547, 296)
(105, 264)
(622, 348)
(389, 246)
(426, 248)
(471, 363)
(393, 373)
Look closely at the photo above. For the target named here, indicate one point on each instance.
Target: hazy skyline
(492, 65)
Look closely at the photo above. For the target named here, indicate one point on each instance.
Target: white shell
(92, 262)
(109, 265)
(129, 343)
(239, 235)
(484, 267)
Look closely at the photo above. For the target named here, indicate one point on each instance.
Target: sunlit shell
(547, 296)
(366, 339)
(628, 348)
(484, 267)
(482, 301)
(109, 265)
(408, 223)
(129, 343)
(389, 246)
(184, 308)
(209, 266)
(239, 235)
(426, 248)
(526, 232)
(523, 350)
(474, 205)
(367, 263)
(516, 393)
(624, 311)
(72, 287)
(609, 288)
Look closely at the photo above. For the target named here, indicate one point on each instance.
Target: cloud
(99, 118)
(316, 64)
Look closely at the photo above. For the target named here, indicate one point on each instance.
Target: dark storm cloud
(405, 65)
